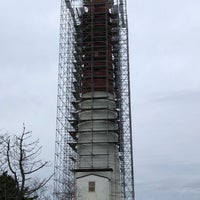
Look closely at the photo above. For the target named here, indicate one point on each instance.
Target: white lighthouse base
(92, 187)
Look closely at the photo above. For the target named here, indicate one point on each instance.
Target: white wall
(102, 188)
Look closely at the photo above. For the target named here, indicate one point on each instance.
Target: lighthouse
(97, 169)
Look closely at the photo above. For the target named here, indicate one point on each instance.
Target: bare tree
(3, 139)
(23, 161)
(44, 192)
(1, 152)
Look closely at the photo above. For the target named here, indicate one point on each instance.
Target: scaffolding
(110, 72)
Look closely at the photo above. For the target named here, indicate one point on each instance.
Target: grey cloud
(184, 96)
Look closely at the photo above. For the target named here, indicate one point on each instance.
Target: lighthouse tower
(97, 169)
(93, 158)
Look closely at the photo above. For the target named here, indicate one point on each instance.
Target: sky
(164, 46)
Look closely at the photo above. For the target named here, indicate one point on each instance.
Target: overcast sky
(165, 85)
